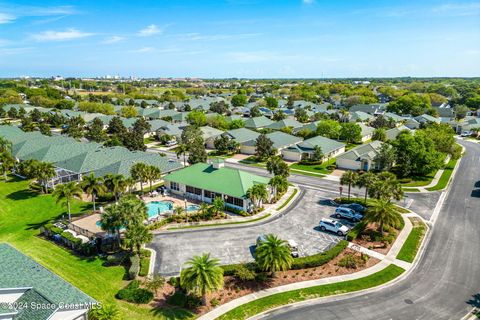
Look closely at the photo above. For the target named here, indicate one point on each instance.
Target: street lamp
(185, 201)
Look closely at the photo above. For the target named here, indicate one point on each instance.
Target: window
(193, 190)
(174, 186)
(234, 201)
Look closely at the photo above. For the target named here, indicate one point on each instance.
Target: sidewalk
(269, 213)
(386, 260)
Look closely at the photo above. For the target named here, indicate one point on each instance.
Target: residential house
(257, 122)
(281, 140)
(284, 124)
(34, 292)
(209, 134)
(360, 116)
(360, 158)
(393, 133)
(367, 132)
(304, 150)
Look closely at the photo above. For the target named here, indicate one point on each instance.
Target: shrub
(183, 300)
(214, 302)
(230, 269)
(236, 211)
(320, 258)
(174, 281)
(351, 261)
(244, 274)
(356, 231)
(133, 293)
(134, 269)
(115, 259)
(261, 277)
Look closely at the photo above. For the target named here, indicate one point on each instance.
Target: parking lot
(234, 245)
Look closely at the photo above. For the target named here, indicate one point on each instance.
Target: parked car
(293, 248)
(354, 206)
(171, 143)
(333, 226)
(329, 202)
(347, 213)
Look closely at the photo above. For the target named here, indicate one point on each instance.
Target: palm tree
(203, 208)
(277, 166)
(66, 192)
(154, 283)
(257, 194)
(43, 172)
(182, 150)
(367, 180)
(129, 184)
(349, 178)
(136, 236)
(132, 211)
(273, 255)
(7, 163)
(202, 276)
(115, 183)
(344, 115)
(278, 184)
(5, 145)
(218, 205)
(105, 312)
(387, 187)
(152, 174)
(138, 172)
(111, 220)
(93, 186)
(384, 213)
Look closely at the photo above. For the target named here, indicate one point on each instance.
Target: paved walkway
(385, 260)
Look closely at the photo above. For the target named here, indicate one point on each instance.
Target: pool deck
(177, 202)
(87, 225)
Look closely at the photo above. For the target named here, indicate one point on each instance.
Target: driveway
(234, 245)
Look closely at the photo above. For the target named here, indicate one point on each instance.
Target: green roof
(242, 134)
(30, 297)
(369, 150)
(20, 271)
(327, 145)
(280, 140)
(285, 123)
(209, 132)
(366, 130)
(258, 122)
(232, 182)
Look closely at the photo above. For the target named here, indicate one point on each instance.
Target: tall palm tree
(218, 205)
(349, 178)
(278, 184)
(136, 236)
(367, 180)
(129, 184)
(132, 211)
(344, 115)
(115, 183)
(182, 150)
(277, 166)
(5, 145)
(43, 172)
(179, 210)
(384, 213)
(203, 208)
(273, 255)
(386, 187)
(7, 163)
(152, 174)
(66, 192)
(93, 186)
(202, 276)
(139, 172)
(257, 194)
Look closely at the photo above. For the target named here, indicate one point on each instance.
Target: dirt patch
(370, 238)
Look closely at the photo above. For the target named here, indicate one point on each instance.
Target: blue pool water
(157, 207)
(192, 207)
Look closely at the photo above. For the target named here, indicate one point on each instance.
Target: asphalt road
(234, 245)
(446, 282)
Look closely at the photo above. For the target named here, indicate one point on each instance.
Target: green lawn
(22, 212)
(252, 161)
(411, 190)
(315, 168)
(412, 244)
(419, 181)
(445, 177)
(255, 307)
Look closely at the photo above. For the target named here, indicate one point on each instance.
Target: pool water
(157, 207)
(193, 207)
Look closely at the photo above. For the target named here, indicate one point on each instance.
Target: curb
(151, 266)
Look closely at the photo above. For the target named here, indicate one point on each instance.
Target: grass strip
(445, 177)
(257, 306)
(288, 200)
(412, 244)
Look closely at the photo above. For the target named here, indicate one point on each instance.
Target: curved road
(446, 282)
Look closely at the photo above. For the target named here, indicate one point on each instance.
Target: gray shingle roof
(368, 150)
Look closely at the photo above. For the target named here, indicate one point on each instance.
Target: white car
(333, 226)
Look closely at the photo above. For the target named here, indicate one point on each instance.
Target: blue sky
(240, 38)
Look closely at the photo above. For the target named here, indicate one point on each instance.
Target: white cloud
(6, 18)
(113, 39)
(150, 31)
(307, 2)
(194, 36)
(144, 50)
(68, 34)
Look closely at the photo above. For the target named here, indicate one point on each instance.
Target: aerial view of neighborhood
(239, 159)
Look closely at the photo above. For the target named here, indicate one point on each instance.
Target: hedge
(134, 269)
(315, 260)
(144, 263)
(321, 258)
(133, 293)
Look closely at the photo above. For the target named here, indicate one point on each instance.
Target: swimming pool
(193, 207)
(157, 207)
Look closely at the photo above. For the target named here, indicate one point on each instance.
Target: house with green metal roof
(209, 135)
(285, 123)
(305, 149)
(360, 116)
(367, 131)
(29, 291)
(361, 157)
(205, 182)
(257, 122)
(242, 135)
(393, 133)
(281, 140)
